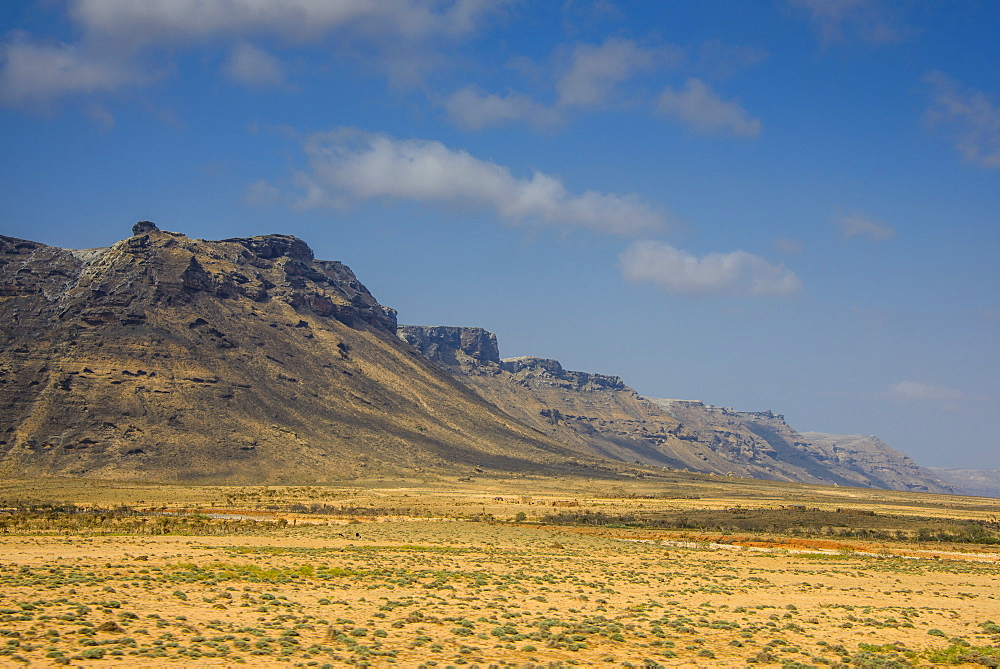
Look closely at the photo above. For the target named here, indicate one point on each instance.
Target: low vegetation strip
(841, 524)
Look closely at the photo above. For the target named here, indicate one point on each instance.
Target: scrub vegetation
(525, 573)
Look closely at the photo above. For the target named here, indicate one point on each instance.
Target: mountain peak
(241, 360)
(144, 227)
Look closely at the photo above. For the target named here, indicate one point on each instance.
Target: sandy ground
(460, 593)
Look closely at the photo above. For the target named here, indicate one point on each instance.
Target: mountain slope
(978, 482)
(238, 360)
(594, 412)
(248, 360)
(600, 414)
(879, 465)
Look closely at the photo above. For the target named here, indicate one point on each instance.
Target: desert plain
(674, 571)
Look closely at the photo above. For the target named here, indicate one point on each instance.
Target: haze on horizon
(790, 205)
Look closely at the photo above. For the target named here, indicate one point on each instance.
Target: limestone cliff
(240, 360)
(978, 482)
(762, 439)
(593, 412)
(600, 414)
(872, 462)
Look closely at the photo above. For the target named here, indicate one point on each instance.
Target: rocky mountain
(876, 464)
(597, 413)
(240, 360)
(978, 482)
(601, 415)
(247, 360)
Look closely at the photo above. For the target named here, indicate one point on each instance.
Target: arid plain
(684, 570)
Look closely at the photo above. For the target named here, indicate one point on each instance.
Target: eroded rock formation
(600, 414)
(170, 358)
(248, 360)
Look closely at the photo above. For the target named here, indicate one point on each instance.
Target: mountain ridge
(240, 360)
(601, 414)
(978, 482)
(248, 360)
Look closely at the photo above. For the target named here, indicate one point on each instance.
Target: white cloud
(923, 392)
(588, 75)
(472, 109)
(101, 116)
(402, 37)
(699, 107)
(971, 117)
(33, 72)
(172, 21)
(866, 20)
(861, 225)
(347, 165)
(592, 73)
(254, 67)
(676, 271)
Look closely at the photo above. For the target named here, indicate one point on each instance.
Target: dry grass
(376, 574)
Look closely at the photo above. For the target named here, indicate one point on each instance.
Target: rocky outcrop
(978, 482)
(164, 269)
(473, 351)
(873, 463)
(468, 350)
(593, 412)
(246, 359)
(764, 441)
(600, 414)
(541, 372)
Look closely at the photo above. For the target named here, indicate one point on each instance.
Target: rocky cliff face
(237, 360)
(978, 482)
(873, 463)
(600, 414)
(467, 350)
(593, 412)
(162, 269)
(248, 360)
(764, 441)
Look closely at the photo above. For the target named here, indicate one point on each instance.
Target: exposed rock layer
(872, 462)
(248, 360)
(603, 416)
(979, 482)
(238, 360)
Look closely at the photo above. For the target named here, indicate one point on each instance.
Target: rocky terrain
(589, 411)
(878, 465)
(980, 482)
(240, 360)
(248, 360)
(603, 416)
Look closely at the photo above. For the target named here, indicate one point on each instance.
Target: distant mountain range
(979, 482)
(601, 415)
(247, 360)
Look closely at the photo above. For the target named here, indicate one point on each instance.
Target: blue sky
(777, 204)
